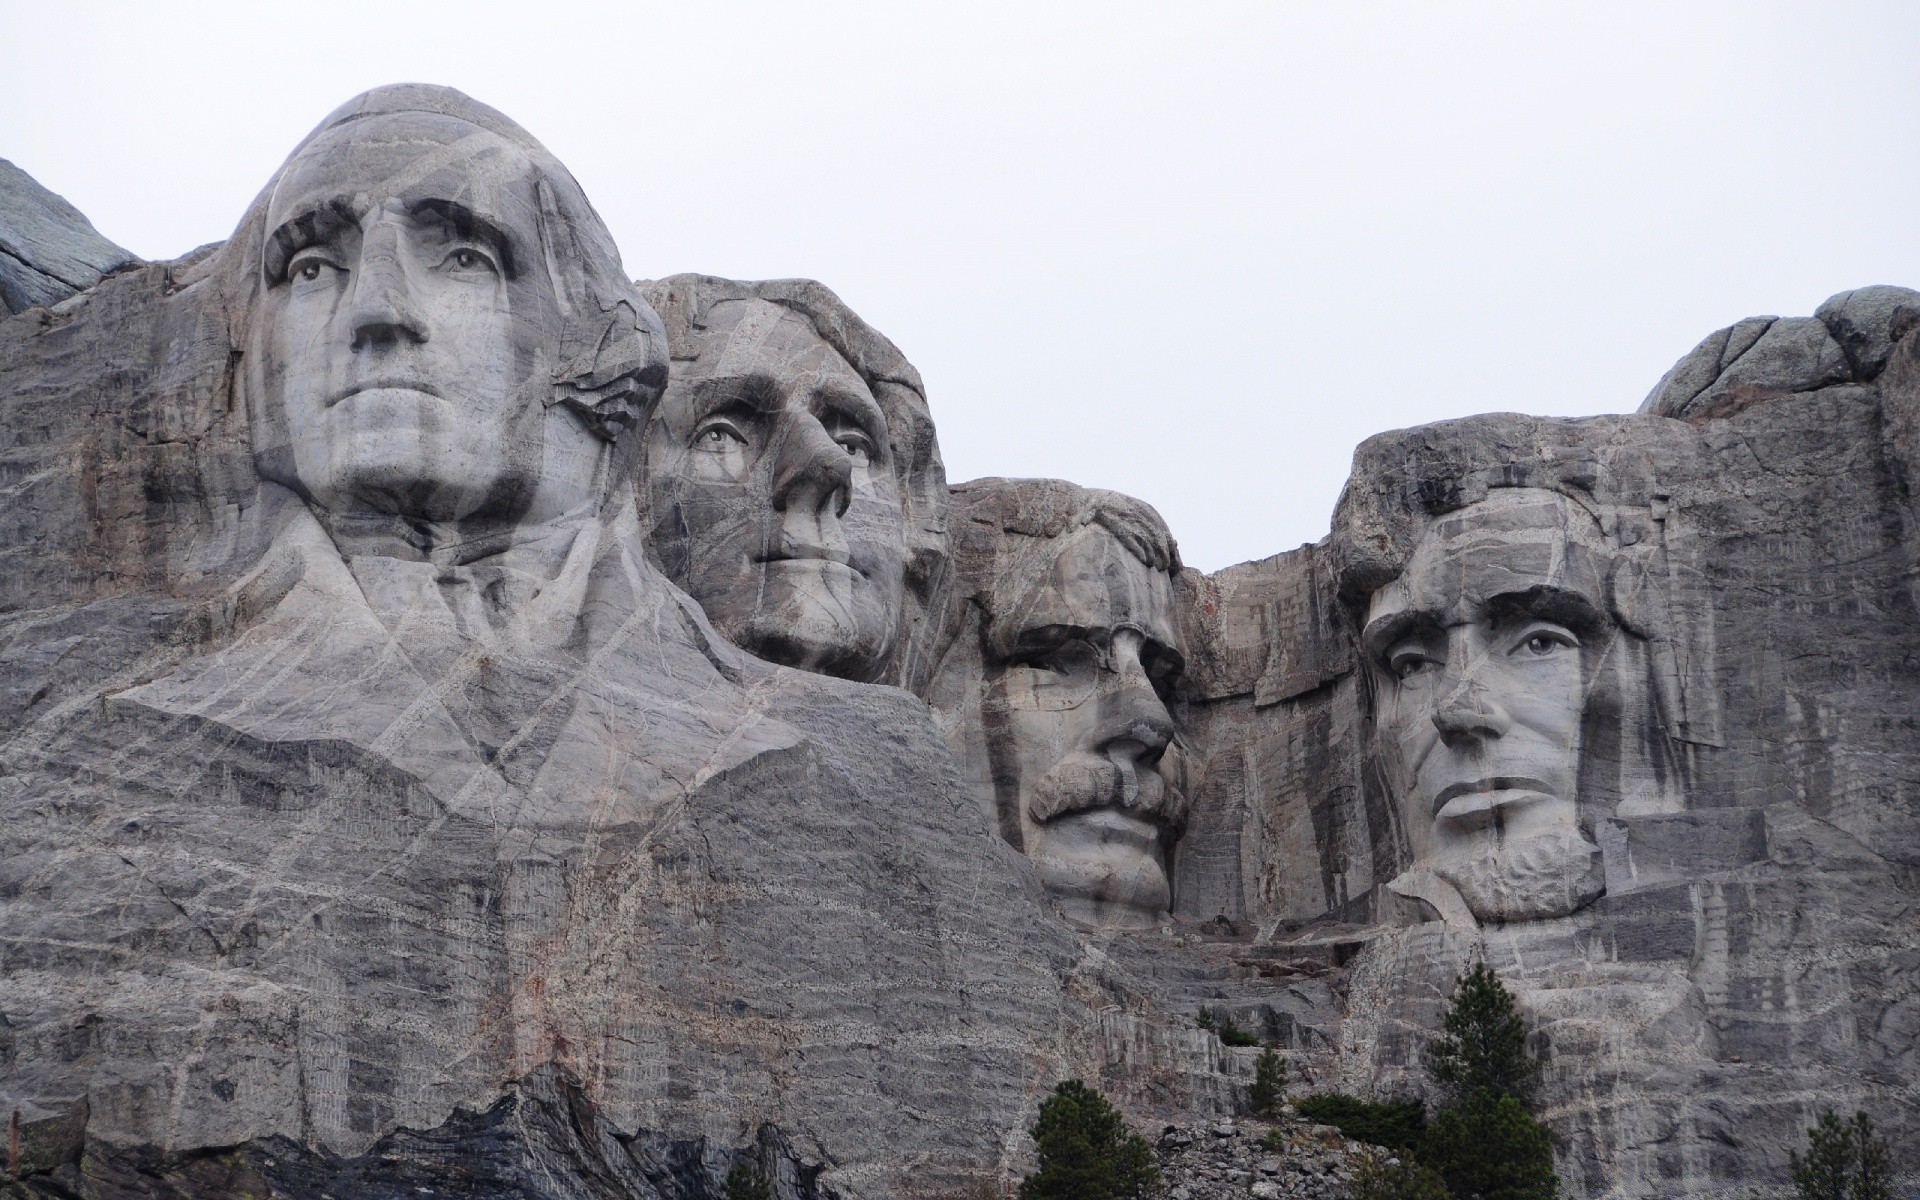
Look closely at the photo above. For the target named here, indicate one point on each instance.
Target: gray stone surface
(1748, 773)
(321, 821)
(377, 814)
(791, 481)
(1062, 656)
(48, 248)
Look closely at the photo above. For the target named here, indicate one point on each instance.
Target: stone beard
(1070, 716)
(773, 496)
(1484, 655)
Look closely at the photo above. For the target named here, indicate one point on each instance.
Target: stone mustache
(450, 688)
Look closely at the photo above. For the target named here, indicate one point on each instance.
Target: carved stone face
(773, 497)
(1077, 721)
(1484, 650)
(399, 352)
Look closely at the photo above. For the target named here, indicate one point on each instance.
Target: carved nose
(383, 311)
(1135, 722)
(813, 472)
(1469, 713)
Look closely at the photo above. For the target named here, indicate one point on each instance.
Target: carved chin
(1111, 884)
(849, 648)
(1550, 875)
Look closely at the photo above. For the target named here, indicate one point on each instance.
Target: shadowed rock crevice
(543, 1140)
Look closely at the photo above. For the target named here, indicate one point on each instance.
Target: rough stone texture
(1754, 956)
(1054, 686)
(305, 898)
(1265, 1159)
(542, 1140)
(48, 248)
(241, 903)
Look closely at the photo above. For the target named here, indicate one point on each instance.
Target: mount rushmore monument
(477, 722)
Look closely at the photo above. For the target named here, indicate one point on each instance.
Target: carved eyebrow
(470, 225)
(756, 392)
(320, 221)
(1548, 603)
(858, 407)
(1383, 634)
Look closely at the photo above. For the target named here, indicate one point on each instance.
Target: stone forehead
(749, 334)
(404, 153)
(1515, 540)
(1083, 579)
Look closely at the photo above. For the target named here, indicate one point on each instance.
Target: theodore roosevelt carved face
(1484, 652)
(773, 493)
(1071, 714)
(399, 352)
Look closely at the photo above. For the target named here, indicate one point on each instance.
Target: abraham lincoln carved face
(1484, 653)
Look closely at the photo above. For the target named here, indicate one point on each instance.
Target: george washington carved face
(399, 352)
(1484, 652)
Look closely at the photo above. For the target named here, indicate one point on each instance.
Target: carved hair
(1002, 527)
(1049, 508)
(609, 358)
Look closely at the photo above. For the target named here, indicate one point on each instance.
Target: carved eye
(1071, 658)
(1542, 643)
(1405, 664)
(466, 258)
(309, 267)
(858, 448)
(719, 435)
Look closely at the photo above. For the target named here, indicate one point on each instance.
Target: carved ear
(612, 360)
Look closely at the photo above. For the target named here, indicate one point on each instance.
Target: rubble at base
(1246, 1158)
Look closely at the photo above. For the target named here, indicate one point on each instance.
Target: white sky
(1192, 252)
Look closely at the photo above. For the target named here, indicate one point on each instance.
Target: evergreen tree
(1086, 1152)
(1488, 1147)
(747, 1182)
(1378, 1179)
(1269, 1089)
(1873, 1174)
(1485, 1043)
(1395, 1124)
(1844, 1161)
(1823, 1173)
(1485, 1144)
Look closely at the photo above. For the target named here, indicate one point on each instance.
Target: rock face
(379, 813)
(48, 248)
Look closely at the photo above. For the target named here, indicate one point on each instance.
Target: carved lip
(810, 554)
(1493, 792)
(1113, 826)
(388, 385)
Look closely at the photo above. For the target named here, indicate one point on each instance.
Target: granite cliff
(474, 722)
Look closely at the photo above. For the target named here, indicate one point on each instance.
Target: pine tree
(1269, 1089)
(747, 1182)
(1873, 1174)
(1488, 1147)
(1085, 1150)
(1844, 1161)
(1378, 1179)
(1485, 1044)
(1485, 1144)
(1823, 1173)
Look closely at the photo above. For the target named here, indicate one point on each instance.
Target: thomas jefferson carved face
(399, 354)
(773, 497)
(1079, 674)
(1484, 650)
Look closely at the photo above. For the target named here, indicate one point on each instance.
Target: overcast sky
(1192, 252)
